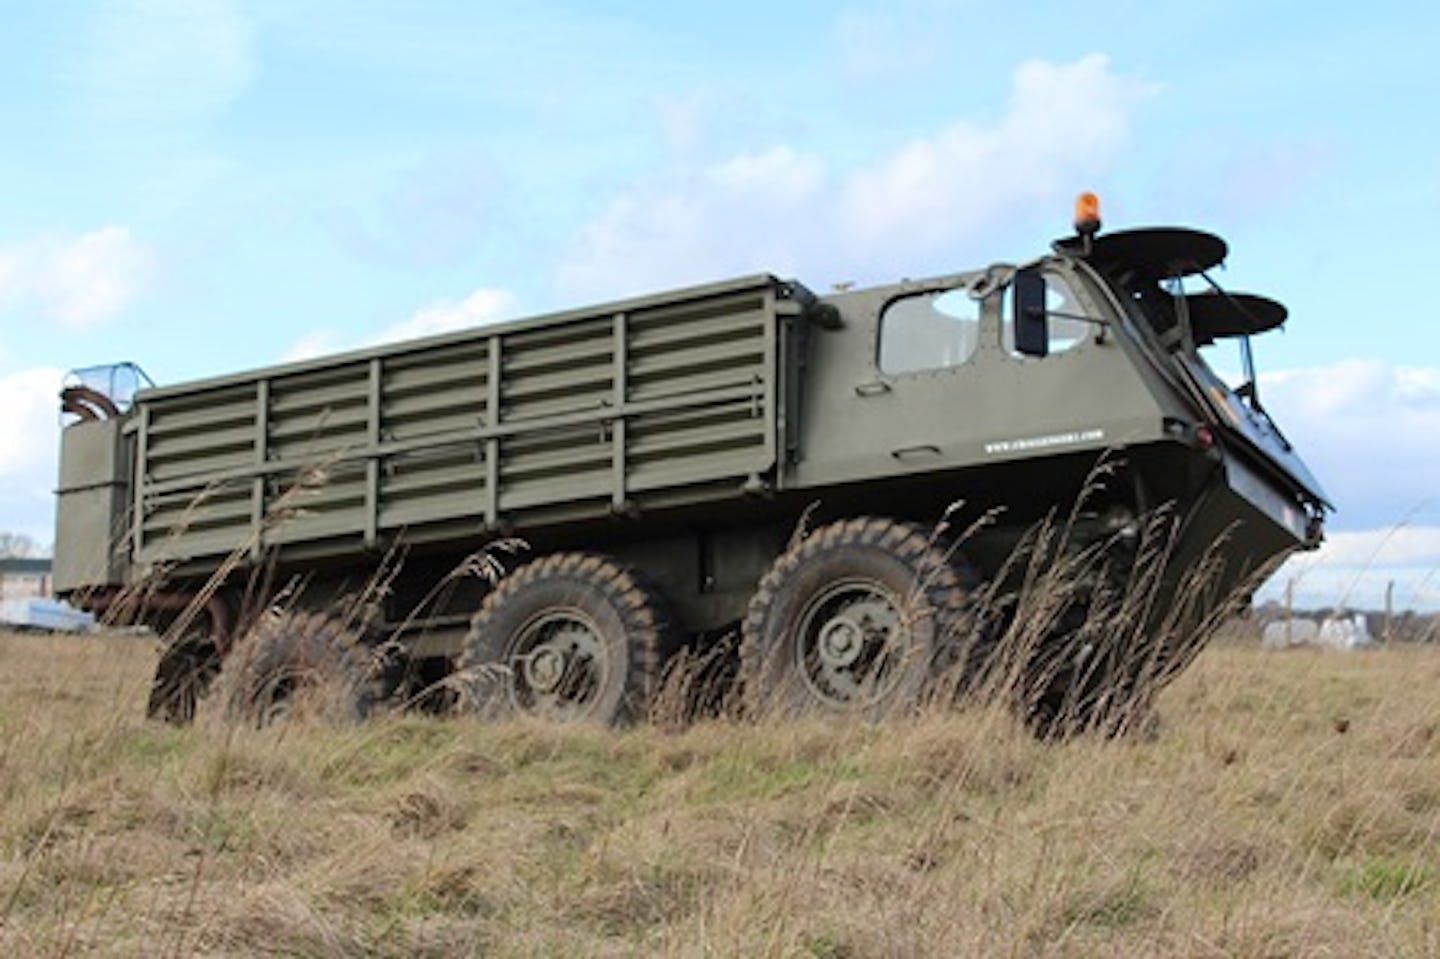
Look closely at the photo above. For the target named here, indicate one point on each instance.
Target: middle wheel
(570, 637)
(856, 617)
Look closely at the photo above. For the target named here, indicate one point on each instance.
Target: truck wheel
(186, 669)
(858, 617)
(1108, 701)
(570, 637)
(307, 663)
(1085, 677)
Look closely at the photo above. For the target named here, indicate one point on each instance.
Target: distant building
(25, 578)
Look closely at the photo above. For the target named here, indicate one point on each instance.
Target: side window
(928, 331)
(1060, 298)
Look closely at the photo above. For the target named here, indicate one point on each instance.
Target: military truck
(745, 458)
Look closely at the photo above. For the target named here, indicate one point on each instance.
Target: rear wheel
(860, 616)
(311, 664)
(570, 637)
(187, 668)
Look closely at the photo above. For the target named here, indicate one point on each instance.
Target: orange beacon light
(1087, 214)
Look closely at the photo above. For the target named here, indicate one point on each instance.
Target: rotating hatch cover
(1154, 252)
(1216, 315)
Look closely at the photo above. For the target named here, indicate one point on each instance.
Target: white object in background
(48, 614)
(1339, 631)
(1289, 632)
(1345, 632)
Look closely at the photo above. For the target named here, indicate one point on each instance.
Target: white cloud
(778, 175)
(28, 451)
(1065, 123)
(75, 281)
(1368, 430)
(485, 305)
(1413, 547)
(1320, 392)
(1417, 384)
(1356, 568)
(781, 209)
(310, 346)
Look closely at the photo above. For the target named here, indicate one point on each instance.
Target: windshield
(1197, 318)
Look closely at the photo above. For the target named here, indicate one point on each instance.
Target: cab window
(928, 331)
(1061, 303)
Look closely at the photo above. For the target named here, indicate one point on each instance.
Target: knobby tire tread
(948, 585)
(650, 630)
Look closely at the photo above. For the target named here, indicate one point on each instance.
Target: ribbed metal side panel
(717, 346)
(191, 443)
(434, 394)
(200, 435)
(546, 373)
(459, 434)
(197, 521)
(435, 391)
(317, 421)
(318, 416)
(562, 373)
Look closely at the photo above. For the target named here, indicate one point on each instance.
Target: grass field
(1288, 804)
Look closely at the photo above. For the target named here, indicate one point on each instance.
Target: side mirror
(1032, 328)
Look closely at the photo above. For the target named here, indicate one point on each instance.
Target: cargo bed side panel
(458, 436)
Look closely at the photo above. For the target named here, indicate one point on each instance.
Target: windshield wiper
(1249, 391)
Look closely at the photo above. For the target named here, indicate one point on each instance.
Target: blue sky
(204, 185)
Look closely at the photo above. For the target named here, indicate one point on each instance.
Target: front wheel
(859, 617)
(570, 637)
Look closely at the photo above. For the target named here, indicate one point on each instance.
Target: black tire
(183, 676)
(299, 661)
(1091, 675)
(570, 637)
(1078, 689)
(861, 616)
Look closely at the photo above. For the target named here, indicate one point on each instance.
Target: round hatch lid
(1155, 252)
(1217, 315)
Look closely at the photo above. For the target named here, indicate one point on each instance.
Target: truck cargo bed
(558, 417)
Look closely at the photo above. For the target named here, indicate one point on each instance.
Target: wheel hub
(851, 644)
(841, 641)
(558, 665)
(545, 668)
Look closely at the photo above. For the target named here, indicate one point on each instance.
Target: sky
(203, 186)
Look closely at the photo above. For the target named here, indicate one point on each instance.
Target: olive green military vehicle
(742, 459)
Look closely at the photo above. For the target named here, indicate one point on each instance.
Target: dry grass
(1287, 805)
